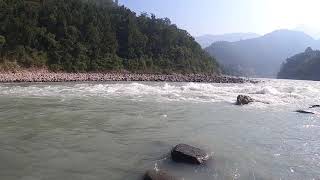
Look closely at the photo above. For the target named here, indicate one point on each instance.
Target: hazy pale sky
(227, 16)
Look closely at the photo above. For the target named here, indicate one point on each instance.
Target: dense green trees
(95, 35)
(303, 66)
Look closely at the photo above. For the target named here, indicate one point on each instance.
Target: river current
(118, 130)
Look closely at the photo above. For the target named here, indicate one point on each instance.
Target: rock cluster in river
(46, 76)
(182, 153)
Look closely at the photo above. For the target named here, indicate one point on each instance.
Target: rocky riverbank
(46, 76)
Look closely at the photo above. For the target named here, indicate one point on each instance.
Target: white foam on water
(269, 92)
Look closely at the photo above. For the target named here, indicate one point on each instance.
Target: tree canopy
(95, 35)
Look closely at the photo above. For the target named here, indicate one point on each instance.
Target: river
(117, 131)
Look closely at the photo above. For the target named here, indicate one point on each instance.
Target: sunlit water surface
(117, 131)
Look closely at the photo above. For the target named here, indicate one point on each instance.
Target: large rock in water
(158, 175)
(188, 154)
(243, 100)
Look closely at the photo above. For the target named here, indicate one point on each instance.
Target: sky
(201, 17)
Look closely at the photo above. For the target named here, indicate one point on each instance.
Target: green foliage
(8, 65)
(95, 35)
(2, 41)
(304, 66)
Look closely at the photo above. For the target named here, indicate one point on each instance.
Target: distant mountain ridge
(262, 56)
(311, 31)
(207, 40)
(303, 66)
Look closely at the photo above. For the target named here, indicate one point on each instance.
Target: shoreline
(46, 76)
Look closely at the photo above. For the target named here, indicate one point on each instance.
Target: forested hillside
(94, 35)
(303, 66)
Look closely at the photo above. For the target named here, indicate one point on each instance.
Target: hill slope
(303, 66)
(207, 40)
(94, 35)
(262, 56)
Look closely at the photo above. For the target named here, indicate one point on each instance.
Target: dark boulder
(158, 175)
(304, 112)
(188, 154)
(243, 100)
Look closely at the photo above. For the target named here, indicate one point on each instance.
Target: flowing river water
(117, 131)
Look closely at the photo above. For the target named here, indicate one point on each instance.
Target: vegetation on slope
(94, 35)
(303, 66)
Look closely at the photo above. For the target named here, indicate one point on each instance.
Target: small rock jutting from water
(304, 112)
(314, 106)
(159, 175)
(188, 154)
(243, 100)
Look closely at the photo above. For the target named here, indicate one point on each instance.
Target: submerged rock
(189, 154)
(158, 175)
(243, 100)
(304, 112)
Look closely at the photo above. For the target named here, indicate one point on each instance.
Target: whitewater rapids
(267, 93)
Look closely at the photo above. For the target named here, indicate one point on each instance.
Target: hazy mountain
(311, 31)
(207, 40)
(262, 56)
(304, 66)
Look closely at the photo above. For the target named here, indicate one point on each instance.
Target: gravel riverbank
(45, 76)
